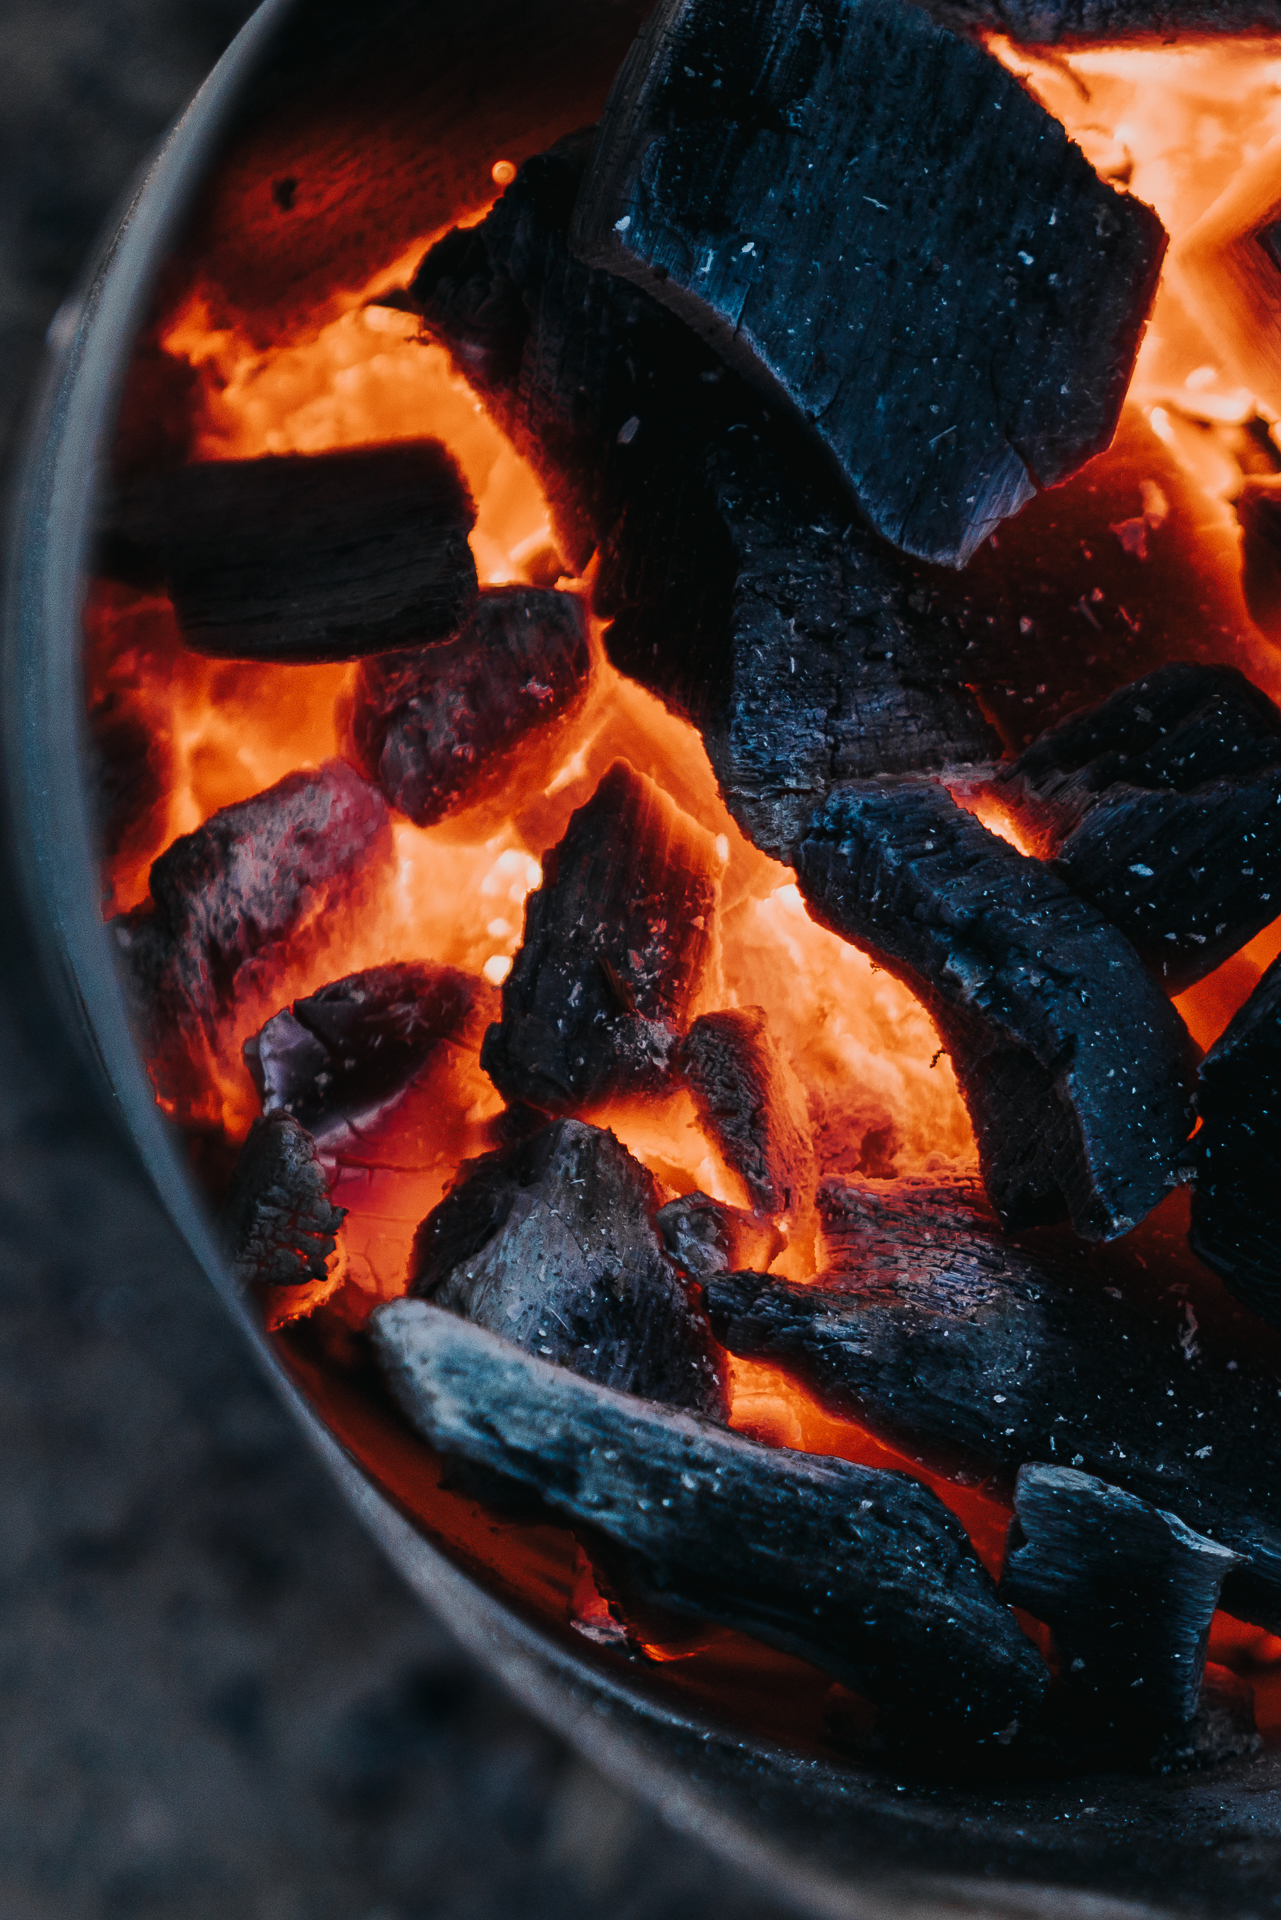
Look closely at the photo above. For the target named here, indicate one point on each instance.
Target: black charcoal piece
(735, 578)
(226, 900)
(1236, 1200)
(346, 1050)
(751, 1103)
(431, 727)
(705, 1236)
(552, 1245)
(864, 1573)
(1127, 1590)
(304, 557)
(616, 939)
(1076, 1070)
(1162, 808)
(278, 1222)
(930, 1328)
(872, 220)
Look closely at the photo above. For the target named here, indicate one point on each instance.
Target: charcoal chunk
(616, 939)
(227, 901)
(1129, 1591)
(735, 583)
(347, 1050)
(1162, 808)
(705, 1236)
(873, 220)
(278, 1221)
(1076, 1071)
(432, 727)
(552, 1245)
(750, 1101)
(864, 1573)
(930, 1328)
(1236, 1153)
(304, 557)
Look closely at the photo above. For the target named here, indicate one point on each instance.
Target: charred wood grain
(932, 1329)
(738, 582)
(884, 230)
(751, 1103)
(1076, 1071)
(304, 557)
(278, 1222)
(1236, 1153)
(552, 1245)
(705, 1236)
(1162, 808)
(1128, 1591)
(864, 1573)
(616, 940)
(431, 727)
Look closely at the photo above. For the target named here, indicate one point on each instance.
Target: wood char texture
(278, 1220)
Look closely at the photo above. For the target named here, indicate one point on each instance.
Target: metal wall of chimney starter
(833, 1839)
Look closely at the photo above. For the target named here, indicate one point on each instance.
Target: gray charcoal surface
(304, 557)
(616, 940)
(1162, 808)
(749, 1100)
(278, 1221)
(738, 582)
(932, 1329)
(862, 1572)
(1128, 1591)
(354, 1045)
(1076, 1070)
(871, 219)
(431, 727)
(1236, 1153)
(705, 1236)
(225, 900)
(551, 1244)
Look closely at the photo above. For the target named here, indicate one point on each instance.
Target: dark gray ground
(214, 1698)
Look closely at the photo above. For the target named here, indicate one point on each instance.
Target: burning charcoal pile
(692, 798)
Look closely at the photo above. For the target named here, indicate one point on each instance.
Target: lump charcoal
(705, 1236)
(1128, 1591)
(735, 579)
(1162, 808)
(278, 1221)
(616, 939)
(1236, 1153)
(862, 1572)
(551, 1244)
(304, 557)
(225, 899)
(349, 1048)
(1075, 1069)
(750, 1102)
(872, 220)
(428, 726)
(931, 1329)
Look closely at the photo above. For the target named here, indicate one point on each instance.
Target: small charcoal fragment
(864, 1573)
(304, 557)
(1162, 808)
(431, 727)
(705, 1236)
(616, 939)
(930, 1328)
(1236, 1201)
(883, 228)
(734, 581)
(1127, 1590)
(227, 903)
(1076, 1071)
(552, 1245)
(346, 1051)
(278, 1221)
(751, 1103)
